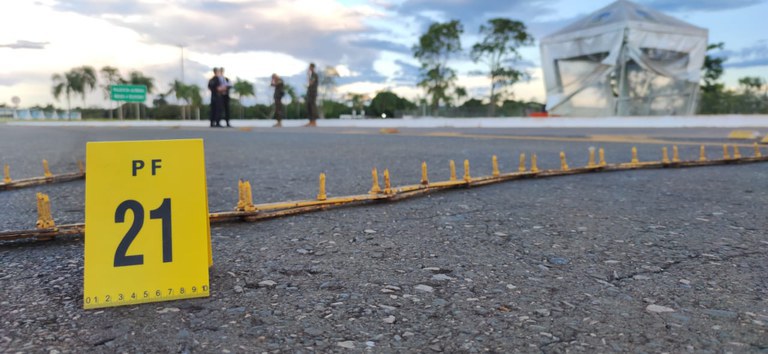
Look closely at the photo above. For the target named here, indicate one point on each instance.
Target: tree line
(750, 97)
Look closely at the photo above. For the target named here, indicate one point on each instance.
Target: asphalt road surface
(671, 260)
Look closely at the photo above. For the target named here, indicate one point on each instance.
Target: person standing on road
(214, 85)
(312, 82)
(277, 83)
(225, 95)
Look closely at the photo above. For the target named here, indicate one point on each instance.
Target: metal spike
(375, 189)
(453, 170)
(635, 160)
(81, 166)
(387, 183)
(424, 175)
(521, 168)
(534, 166)
(758, 153)
(726, 155)
(46, 171)
(7, 172)
(240, 195)
(702, 154)
(467, 177)
(664, 155)
(495, 164)
(321, 194)
(44, 217)
(563, 162)
(601, 154)
(736, 152)
(591, 161)
(675, 154)
(248, 197)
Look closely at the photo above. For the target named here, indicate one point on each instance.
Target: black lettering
(155, 166)
(137, 165)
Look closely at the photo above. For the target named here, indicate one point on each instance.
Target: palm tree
(87, 78)
(180, 91)
(243, 88)
(67, 83)
(193, 92)
(110, 76)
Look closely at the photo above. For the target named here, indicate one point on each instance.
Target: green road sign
(128, 93)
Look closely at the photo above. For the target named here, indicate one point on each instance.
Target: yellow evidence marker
(148, 236)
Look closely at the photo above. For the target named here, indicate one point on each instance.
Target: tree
(499, 50)
(327, 86)
(190, 94)
(79, 80)
(110, 76)
(66, 84)
(713, 68)
(243, 88)
(386, 104)
(87, 78)
(459, 93)
(137, 78)
(434, 50)
(357, 101)
(751, 84)
(713, 93)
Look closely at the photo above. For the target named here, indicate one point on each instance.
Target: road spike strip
(453, 170)
(495, 165)
(635, 160)
(387, 182)
(591, 161)
(726, 155)
(602, 162)
(321, 193)
(702, 154)
(81, 166)
(424, 174)
(675, 154)
(664, 155)
(46, 172)
(563, 162)
(44, 218)
(375, 189)
(521, 168)
(7, 171)
(467, 176)
(46, 227)
(736, 152)
(758, 153)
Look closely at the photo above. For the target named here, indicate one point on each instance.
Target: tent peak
(624, 11)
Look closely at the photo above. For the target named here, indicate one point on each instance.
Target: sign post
(148, 234)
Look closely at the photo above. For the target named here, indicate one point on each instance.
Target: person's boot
(279, 124)
(228, 125)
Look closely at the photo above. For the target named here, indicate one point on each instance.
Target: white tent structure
(624, 60)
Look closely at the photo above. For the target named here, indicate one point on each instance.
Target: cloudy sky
(368, 41)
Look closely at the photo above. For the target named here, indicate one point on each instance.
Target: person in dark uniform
(225, 96)
(277, 83)
(217, 100)
(312, 82)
